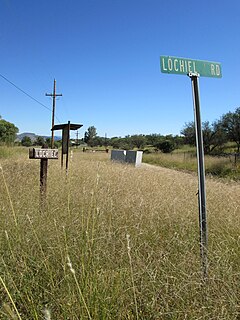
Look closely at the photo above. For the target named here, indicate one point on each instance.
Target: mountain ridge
(34, 136)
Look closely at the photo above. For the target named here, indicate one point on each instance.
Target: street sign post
(184, 66)
(43, 155)
(201, 175)
(36, 153)
(194, 69)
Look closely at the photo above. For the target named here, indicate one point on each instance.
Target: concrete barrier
(118, 155)
(134, 157)
(129, 156)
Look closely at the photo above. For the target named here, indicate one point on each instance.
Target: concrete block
(134, 157)
(118, 155)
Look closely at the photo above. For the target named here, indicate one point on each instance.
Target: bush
(146, 151)
(220, 169)
(26, 141)
(166, 146)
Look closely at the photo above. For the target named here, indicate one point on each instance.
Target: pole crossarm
(53, 95)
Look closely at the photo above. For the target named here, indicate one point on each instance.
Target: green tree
(154, 138)
(40, 141)
(8, 131)
(100, 141)
(188, 132)
(89, 136)
(115, 142)
(126, 143)
(166, 146)
(230, 123)
(121, 143)
(138, 140)
(48, 143)
(213, 135)
(178, 141)
(26, 141)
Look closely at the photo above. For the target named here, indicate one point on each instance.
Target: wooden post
(66, 127)
(62, 159)
(43, 182)
(43, 154)
(68, 138)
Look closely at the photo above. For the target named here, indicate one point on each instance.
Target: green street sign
(185, 66)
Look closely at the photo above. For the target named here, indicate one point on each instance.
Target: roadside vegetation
(216, 136)
(227, 166)
(9, 152)
(114, 242)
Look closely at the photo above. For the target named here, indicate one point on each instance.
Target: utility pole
(53, 95)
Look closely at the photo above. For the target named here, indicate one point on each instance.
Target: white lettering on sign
(170, 64)
(190, 66)
(43, 153)
(212, 69)
(215, 69)
(163, 65)
(175, 64)
(179, 65)
(46, 154)
(218, 70)
(185, 66)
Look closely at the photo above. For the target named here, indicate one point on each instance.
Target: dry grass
(115, 242)
(222, 167)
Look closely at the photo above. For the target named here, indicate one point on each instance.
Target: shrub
(166, 146)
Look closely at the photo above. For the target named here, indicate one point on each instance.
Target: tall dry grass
(115, 242)
(221, 167)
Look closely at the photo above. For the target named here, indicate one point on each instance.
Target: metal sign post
(194, 69)
(201, 174)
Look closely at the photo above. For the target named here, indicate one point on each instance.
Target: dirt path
(211, 182)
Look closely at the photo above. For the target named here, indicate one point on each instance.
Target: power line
(28, 95)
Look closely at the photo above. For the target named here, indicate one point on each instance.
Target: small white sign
(43, 153)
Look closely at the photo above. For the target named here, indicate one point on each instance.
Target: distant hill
(34, 136)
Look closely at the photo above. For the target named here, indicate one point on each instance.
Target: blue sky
(105, 57)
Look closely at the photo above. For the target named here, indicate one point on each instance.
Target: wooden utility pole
(53, 95)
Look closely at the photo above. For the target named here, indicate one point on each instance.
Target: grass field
(115, 242)
(222, 167)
